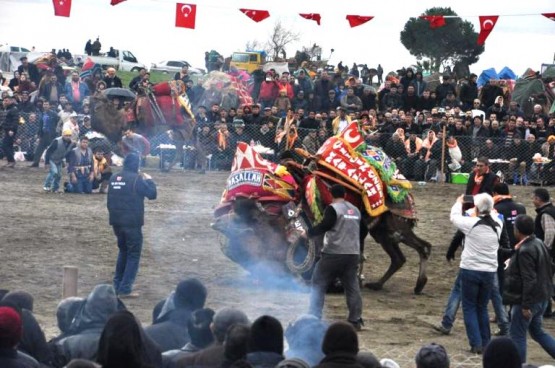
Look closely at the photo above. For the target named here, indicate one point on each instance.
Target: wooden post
(69, 283)
(443, 154)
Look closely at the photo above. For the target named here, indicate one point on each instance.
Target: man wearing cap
(55, 154)
(73, 125)
(125, 203)
(342, 120)
(238, 134)
(31, 70)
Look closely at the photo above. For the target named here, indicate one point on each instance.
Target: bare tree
(253, 45)
(279, 38)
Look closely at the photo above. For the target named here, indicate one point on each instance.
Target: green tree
(454, 43)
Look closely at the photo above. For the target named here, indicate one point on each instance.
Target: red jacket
(268, 91)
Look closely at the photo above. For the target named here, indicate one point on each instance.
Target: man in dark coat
(528, 288)
(340, 346)
(469, 92)
(125, 203)
(169, 330)
(213, 356)
(29, 68)
(265, 343)
(10, 125)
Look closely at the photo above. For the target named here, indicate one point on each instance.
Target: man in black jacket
(125, 204)
(10, 129)
(29, 68)
(529, 288)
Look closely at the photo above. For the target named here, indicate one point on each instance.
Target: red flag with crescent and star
(549, 16)
(256, 15)
(185, 15)
(436, 21)
(487, 22)
(62, 8)
(116, 2)
(357, 20)
(312, 16)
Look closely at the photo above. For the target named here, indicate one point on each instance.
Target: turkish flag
(185, 15)
(256, 15)
(436, 21)
(116, 2)
(487, 22)
(312, 16)
(62, 8)
(549, 15)
(357, 20)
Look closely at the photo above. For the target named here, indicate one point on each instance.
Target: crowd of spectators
(99, 331)
(405, 117)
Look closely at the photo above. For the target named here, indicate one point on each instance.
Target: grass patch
(155, 77)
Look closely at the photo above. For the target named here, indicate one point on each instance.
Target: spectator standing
(379, 73)
(10, 126)
(183, 75)
(111, 79)
(48, 121)
(478, 266)
(30, 69)
(76, 91)
(125, 204)
(529, 287)
(58, 149)
(135, 143)
(469, 92)
(95, 47)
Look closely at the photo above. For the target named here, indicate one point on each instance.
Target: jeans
(52, 180)
(476, 287)
(328, 268)
(44, 142)
(520, 326)
(130, 244)
(83, 185)
(500, 311)
(453, 304)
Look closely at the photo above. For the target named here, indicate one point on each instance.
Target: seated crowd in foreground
(98, 331)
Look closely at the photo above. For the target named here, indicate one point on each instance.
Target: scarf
(291, 139)
(222, 140)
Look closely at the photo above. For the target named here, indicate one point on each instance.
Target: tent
(506, 73)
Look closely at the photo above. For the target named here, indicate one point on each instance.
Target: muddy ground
(41, 233)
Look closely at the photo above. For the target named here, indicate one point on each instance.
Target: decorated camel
(265, 205)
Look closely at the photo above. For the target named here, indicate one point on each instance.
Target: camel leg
(423, 248)
(391, 247)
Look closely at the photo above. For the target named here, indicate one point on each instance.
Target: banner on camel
(338, 156)
(252, 176)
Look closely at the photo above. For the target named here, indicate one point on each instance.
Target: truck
(123, 60)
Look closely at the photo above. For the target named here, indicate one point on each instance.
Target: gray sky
(146, 27)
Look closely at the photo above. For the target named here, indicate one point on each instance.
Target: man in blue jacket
(126, 196)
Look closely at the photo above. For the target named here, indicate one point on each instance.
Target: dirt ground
(41, 233)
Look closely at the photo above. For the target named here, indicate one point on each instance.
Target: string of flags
(185, 17)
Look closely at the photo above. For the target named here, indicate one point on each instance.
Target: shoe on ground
(34, 165)
(476, 350)
(131, 295)
(443, 330)
(357, 324)
(501, 333)
(46, 189)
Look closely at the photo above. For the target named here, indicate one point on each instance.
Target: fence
(518, 161)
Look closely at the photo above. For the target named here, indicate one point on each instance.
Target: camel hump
(406, 208)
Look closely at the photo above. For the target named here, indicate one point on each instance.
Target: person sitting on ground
(11, 330)
(169, 330)
(304, 338)
(33, 342)
(213, 356)
(201, 336)
(265, 342)
(340, 345)
(101, 170)
(121, 344)
(432, 356)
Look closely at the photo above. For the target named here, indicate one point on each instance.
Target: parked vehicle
(248, 61)
(174, 66)
(10, 48)
(124, 60)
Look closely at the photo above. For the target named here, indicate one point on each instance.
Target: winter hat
(22, 299)
(238, 123)
(266, 335)
(10, 327)
(131, 162)
(501, 353)
(340, 337)
(190, 293)
(432, 355)
(67, 133)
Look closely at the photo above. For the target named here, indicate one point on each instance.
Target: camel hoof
(420, 286)
(373, 286)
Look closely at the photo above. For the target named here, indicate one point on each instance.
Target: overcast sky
(146, 27)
